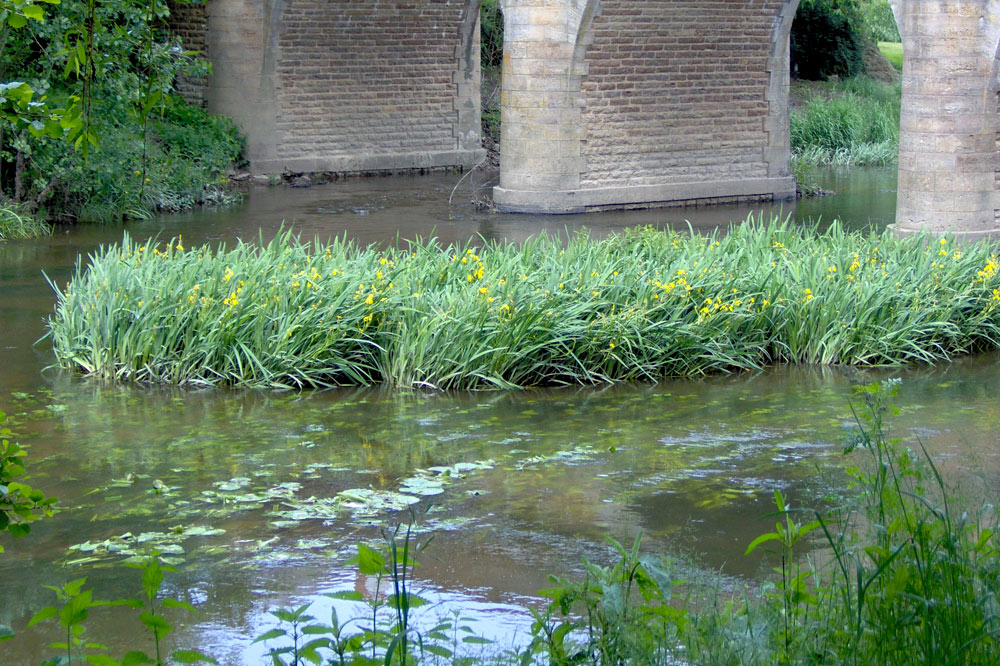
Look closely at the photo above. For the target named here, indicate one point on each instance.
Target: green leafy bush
(127, 147)
(879, 20)
(827, 40)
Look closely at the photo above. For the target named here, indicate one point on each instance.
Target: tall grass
(855, 122)
(639, 306)
(16, 222)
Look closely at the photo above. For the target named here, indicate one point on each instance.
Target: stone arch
(777, 153)
(636, 103)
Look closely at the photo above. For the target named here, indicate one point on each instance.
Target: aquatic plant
(371, 640)
(898, 574)
(638, 306)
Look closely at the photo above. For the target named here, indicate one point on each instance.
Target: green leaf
(156, 623)
(105, 660)
(19, 530)
(16, 21)
(477, 640)
(134, 657)
(42, 615)
(175, 603)
(73, 588)
(34, 12)
(347, 595)
(268, 635)
(763, 538)
(192, 657)
(370, 561)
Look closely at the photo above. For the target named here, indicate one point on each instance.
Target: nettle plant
(20, 504)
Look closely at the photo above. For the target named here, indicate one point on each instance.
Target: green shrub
(491, 34)
(639, 306)
(183, 162)
(827, 40)
(127, 148)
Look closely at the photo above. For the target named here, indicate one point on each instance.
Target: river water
(236, 486)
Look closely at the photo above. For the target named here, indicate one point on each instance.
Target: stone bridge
(605, 103)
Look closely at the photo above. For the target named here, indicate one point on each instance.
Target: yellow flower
(483, 290)
(611, 345)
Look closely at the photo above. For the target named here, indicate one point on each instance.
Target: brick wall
(676, 91)
(368, 76)
(190, 22)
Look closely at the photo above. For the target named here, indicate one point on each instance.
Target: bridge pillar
(948, 157)
(343, 86)
(641, 103)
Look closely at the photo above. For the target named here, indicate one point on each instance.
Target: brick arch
(681, 93)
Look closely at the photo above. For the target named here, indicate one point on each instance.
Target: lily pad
(367, 501)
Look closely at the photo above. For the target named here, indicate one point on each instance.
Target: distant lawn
(894, 52)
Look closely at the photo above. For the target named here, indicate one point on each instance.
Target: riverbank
(638, 306)
(854, 122)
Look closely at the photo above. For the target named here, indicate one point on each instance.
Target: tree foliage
(90, 86)
(827, 39)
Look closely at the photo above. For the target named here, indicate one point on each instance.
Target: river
(235, 485)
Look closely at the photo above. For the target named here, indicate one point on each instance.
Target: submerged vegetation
(639, 306)
(896, 573)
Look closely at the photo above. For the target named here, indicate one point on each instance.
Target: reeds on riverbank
(639, 306)
(848, 123)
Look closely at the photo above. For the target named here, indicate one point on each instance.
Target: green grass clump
(639, 306)
(15, 223)
(855, 122)
(893, 51)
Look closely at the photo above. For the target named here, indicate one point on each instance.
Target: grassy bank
(638, 306)
(853, 122)
(17, 223)
(183, 162)
(893, 51)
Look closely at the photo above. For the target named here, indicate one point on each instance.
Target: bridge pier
(641, 103)
(344, 86)
(948, 159)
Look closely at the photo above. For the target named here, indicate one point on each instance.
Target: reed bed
(852, 123)
(638, 306)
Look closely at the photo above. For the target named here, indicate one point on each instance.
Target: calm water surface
(535, 479)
